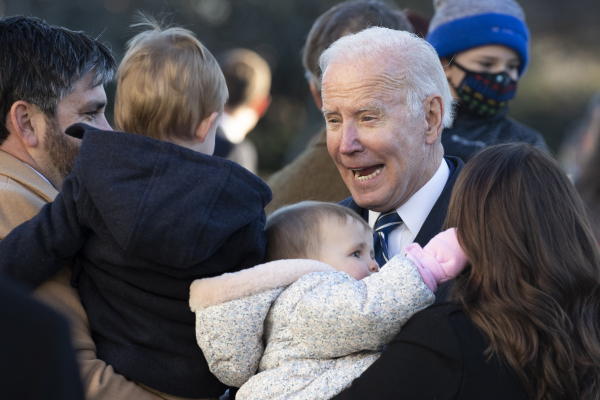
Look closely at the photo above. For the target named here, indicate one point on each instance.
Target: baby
(320, 310)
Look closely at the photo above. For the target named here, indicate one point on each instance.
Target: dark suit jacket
(435, 220)
(438, 354)
(37, 359)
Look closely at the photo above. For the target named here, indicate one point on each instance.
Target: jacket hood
(163, 202)
(210, 292)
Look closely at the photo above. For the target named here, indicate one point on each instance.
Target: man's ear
(27, 122)
(260, 105)
(205, 126)
(316, 95)
(434, 113)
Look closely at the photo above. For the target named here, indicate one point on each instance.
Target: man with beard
(51, 78)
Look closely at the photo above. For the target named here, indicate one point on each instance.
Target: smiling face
(379, 147)
(347, 247)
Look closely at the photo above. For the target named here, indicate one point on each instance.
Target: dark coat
(434, 223)
(438, 354)
(469, 135)
(144, 219)
(37, 360)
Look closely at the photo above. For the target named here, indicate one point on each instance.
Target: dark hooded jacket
(144, 218)
(469, 135)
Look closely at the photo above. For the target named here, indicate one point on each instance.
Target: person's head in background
(341, 20)
(50, 78)
(534, 282)
(484, 48)
(326, 232)
(170, 87)
(248, 79)
(577, 151)
(588, 183)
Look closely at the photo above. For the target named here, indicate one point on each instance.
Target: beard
(61, 149)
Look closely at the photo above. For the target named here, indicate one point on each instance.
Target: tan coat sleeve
(100, 381)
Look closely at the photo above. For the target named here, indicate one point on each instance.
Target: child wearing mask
(321, 312)
(145, 213)
(484, 48)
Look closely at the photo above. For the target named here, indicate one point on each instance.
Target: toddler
(321, 311)
(147, 212)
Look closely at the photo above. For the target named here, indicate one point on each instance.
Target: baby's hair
(167, 83)
(295, 231)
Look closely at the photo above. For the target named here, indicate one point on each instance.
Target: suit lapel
(349, 202)
(436, 218)
(17, 170)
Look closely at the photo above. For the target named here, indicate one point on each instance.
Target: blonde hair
(167, 83)
(295, 231)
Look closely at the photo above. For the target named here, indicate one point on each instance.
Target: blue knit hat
(460, 25)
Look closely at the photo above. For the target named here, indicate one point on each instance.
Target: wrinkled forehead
(363, 79)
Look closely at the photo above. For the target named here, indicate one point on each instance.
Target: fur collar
(209, 292)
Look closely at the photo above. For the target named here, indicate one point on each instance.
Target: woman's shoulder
(434, 328)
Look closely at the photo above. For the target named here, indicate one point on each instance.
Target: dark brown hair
(295, 231)
(343, 19)
(534, 282)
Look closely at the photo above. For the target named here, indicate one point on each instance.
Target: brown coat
(311, 176)
(22, 194)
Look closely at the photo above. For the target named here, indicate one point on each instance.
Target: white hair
(423, 72)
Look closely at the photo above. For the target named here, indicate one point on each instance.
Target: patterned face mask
(484, 95)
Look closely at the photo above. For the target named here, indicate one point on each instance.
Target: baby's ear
(205, 126)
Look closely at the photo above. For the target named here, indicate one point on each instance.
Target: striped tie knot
(385, 224)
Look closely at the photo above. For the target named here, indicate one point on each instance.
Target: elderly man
(51, 78)
(385, 102)
(313, 175)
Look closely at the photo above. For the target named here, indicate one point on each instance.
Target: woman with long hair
(524, 322)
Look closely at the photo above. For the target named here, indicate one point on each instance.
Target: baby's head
(326, 232)
(170, 87)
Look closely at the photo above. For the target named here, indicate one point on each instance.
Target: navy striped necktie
(386, 223)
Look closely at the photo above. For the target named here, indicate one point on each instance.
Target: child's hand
(441, 259)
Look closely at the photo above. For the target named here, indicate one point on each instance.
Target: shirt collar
(43, 177)
(415, 211)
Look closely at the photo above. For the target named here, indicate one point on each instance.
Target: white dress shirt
(415, 211)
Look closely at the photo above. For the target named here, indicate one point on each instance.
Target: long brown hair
(534, 282)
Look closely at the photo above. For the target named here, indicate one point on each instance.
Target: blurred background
(563, 75)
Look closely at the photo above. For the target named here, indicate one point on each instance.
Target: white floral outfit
(320, 332)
